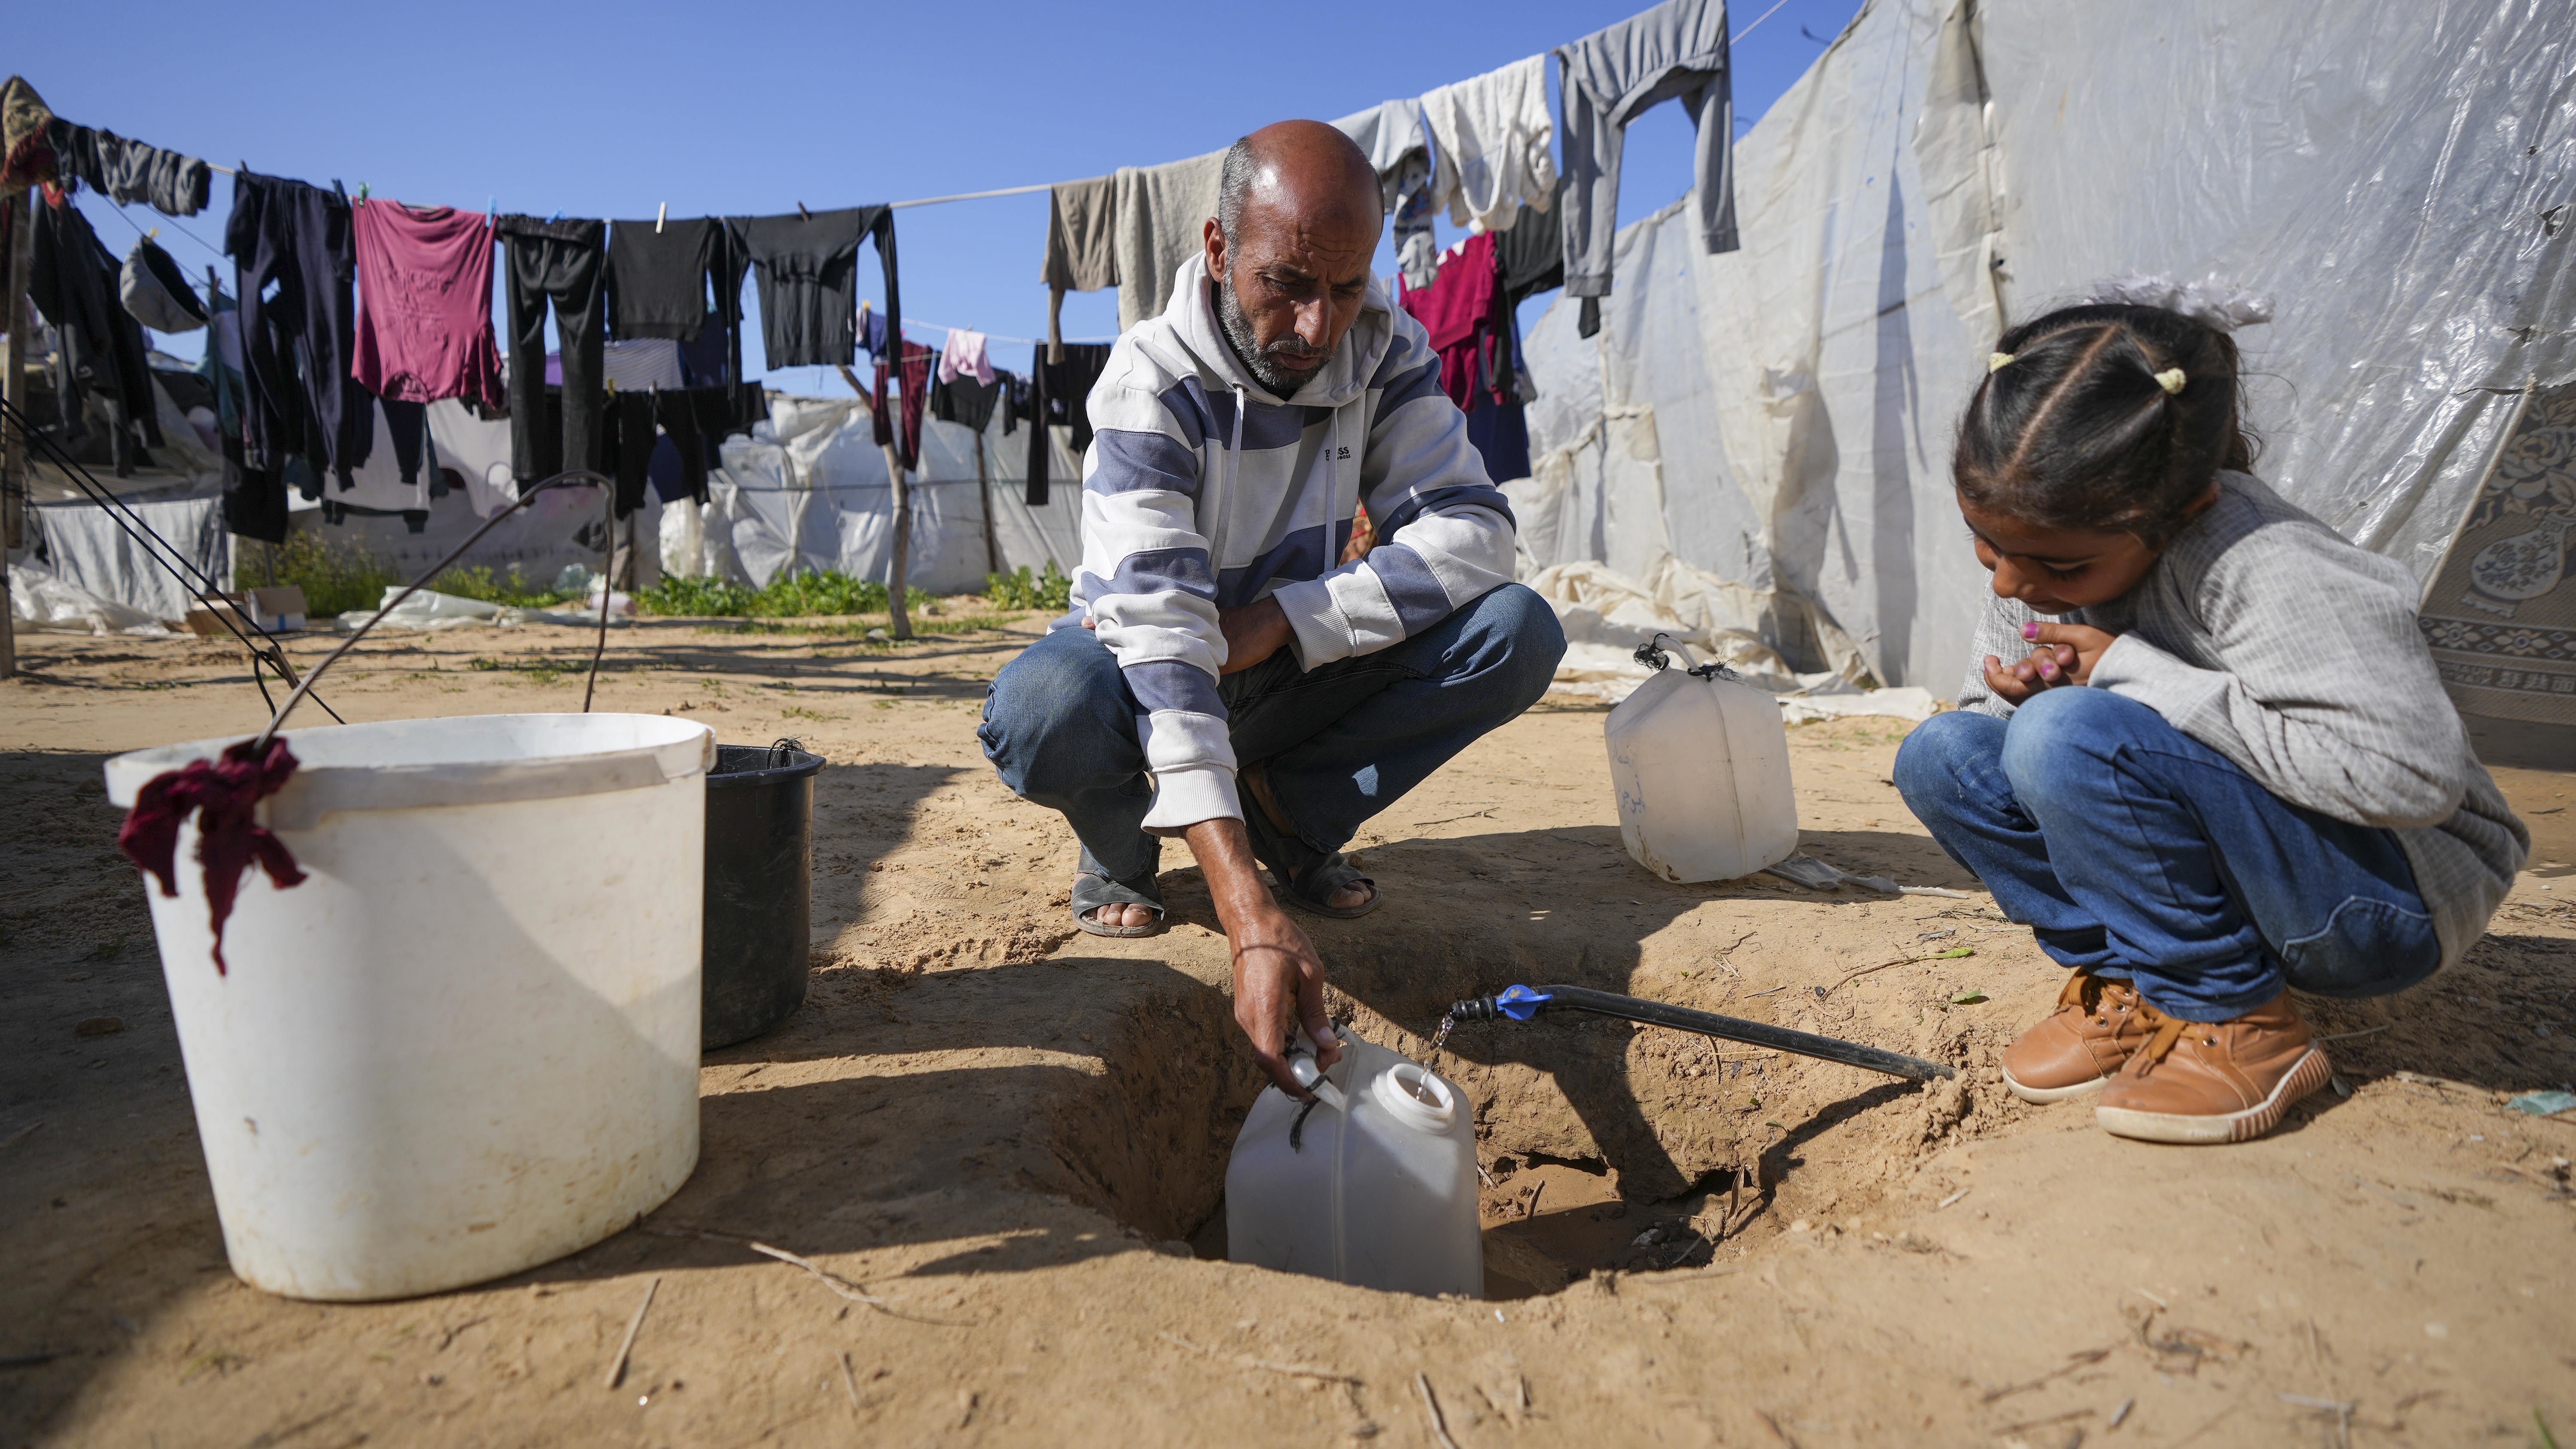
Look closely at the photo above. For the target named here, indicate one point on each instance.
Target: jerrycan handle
(1653, 658)
(1301, 1065)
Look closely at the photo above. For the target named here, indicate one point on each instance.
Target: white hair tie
(2212, 302)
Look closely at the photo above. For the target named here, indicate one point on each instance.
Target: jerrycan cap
(1414, 1095)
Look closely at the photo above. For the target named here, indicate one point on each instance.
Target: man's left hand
(1253, 633)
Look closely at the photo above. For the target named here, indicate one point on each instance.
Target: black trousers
(1056, 394)
(297, 238)
(695, 419)
(563, 263)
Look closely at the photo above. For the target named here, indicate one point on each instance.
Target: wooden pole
(900, 624)
(984, 487)
(899, 619)
(13, 441)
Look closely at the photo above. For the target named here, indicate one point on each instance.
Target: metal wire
(203, 588)
(526, 496)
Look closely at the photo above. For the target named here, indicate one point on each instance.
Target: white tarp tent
(2400, 179)
(808, 489)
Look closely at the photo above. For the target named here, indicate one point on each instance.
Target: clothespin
(558, 216)
(362, 191)
(154, 234)
(659, 216)
(801, 211)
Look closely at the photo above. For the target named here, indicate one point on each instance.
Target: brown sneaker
(2078, 1047)
(2226, 1081)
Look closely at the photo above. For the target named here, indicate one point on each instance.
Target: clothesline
(1051, 185)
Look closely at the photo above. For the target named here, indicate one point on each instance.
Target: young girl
(2201, 750)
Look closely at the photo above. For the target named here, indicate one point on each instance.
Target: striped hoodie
(1203, 491)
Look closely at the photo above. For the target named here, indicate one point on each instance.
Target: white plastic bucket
(468, 1042)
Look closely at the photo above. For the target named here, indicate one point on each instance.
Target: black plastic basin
(760, 888)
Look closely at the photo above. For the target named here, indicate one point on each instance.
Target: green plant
(335, 578)
(1017, 590)
(787, 597)
(511, 591)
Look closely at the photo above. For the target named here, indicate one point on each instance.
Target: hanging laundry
(1015, 403)
(296, 341)
(657, 277)
(807, 267)
(129, 171)
(1470, 325)
(872, 329)
(220, 366)
(424, 328)
(152, 287)
(1059, 393)
(916, 392)
(1529, 255)
(1492, 136)
(73, 282)
(1162, 216)
(645, 365)
(966, 402)
(1399, 149)
(26, 138)
(401, 474)
(562, 263)
(1676, 51)
(479, 449)
(1457, 309)
(1081, 245)
(964, 356)
(254, 502)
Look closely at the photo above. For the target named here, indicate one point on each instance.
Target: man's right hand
(1278, 978)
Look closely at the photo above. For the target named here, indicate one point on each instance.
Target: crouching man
(1224, 675)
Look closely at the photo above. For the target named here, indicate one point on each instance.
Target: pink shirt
(425, 304)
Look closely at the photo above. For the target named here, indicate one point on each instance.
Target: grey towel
(1081, 248)
(1163, 213)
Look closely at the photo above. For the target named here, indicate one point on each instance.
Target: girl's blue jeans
(2136, 852)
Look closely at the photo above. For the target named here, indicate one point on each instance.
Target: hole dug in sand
(1148, 1144)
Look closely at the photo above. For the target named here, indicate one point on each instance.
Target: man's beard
(1264, 366)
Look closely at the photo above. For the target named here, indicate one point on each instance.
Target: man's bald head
(1298, 218)
(1305, 169)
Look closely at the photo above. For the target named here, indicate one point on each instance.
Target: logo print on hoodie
(1343, 453)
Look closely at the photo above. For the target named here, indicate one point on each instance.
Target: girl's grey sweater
(2266, 636)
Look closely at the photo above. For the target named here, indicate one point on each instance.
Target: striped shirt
(1203, 491)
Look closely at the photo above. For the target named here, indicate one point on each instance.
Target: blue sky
(614, 110)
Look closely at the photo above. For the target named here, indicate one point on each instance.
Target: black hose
(1522, 1002)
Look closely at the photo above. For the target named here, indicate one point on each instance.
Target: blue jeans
(2136, 852)
(1340, 742)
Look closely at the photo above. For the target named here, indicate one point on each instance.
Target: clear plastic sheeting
(41, 602)
(1607, 615)
(806, 491)
(1779, 418)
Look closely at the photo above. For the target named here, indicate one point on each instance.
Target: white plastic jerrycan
(1700, 761)
(1374, 1185)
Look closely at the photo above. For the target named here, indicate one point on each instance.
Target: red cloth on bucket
(225, 793)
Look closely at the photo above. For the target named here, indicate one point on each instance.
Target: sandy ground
(1012, 1137)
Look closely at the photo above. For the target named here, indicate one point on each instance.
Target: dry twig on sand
(617, 1369)
(1439, 1426)
(1951, 954)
